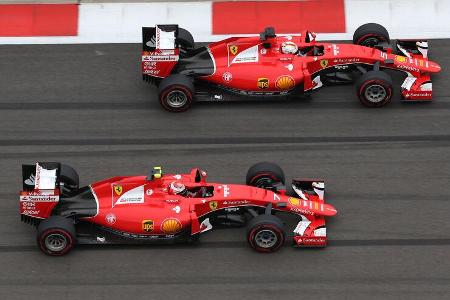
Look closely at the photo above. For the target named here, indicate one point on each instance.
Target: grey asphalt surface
(387, 172)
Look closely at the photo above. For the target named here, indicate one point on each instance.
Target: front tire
(374, 89)
(370, 34)
(266, 233)
(176, 93)
(56, 236)
(265, 175)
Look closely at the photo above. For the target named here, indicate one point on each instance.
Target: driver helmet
(177, 188)
(289, 47)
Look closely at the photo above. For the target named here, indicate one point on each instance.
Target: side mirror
(269, 32)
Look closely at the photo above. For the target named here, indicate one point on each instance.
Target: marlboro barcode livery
(169, 208)
(271, 65)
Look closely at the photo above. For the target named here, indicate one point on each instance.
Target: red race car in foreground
(168, 208)
(282, 65)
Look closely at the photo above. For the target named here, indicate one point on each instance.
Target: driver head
(177, 188)
(289, 47)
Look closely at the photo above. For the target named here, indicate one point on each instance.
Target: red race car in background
(282, 65)
(168, 208)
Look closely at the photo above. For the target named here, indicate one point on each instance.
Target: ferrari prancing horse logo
(233, 49)
(324, 63)
(118, 190)
(213, 205)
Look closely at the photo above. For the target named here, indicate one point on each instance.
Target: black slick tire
(176, 93)
(265, 233)
(374, 89)
(56, 235)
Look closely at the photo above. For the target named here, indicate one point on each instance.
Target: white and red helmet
(289, 47)
(177, 188)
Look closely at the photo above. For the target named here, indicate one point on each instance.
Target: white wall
(122, 22)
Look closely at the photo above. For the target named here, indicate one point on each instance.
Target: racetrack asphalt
(386, 170)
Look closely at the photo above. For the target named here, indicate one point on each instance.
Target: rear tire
(264, 175)
(370, 34)
(265, 233)
(374, 89)
(56, 235)
(176, 93)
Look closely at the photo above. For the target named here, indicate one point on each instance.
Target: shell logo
(400, 59)
(171, 226)
(294, 201)
(285, 82)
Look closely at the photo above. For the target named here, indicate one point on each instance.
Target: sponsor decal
(246, 56)
(177, 176)
(233, 49)
(39, 198)
(346, 60)
(294, 201)
(155, 57)
(400, 59)
(408, 68)
(275, 197)
(324, 63)
(335, 49)
(147, 225)
(227, 77)
(226, 190)
(172, 201)
(285, 82)
(110, 218)
(177, 209)
(149, 192)
(132, 196)
(118, 189)
(302, 211)
(290, 67)
(263, 51)
(30, 180)
(237, 202)
(171, 226)
(263, 83)
(213, 205)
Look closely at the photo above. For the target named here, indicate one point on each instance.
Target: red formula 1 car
(288, 65)
(168, 208)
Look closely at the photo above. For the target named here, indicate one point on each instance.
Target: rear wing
(40, 191)
(160, 51)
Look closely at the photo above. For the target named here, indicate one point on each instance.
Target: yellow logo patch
(263, 83)
(171, 226)
(400, 59)
(233, 49)
(147, 225)
(285, 82)
(294, 201)
(118, 190)
(324, 63)
(213, 205)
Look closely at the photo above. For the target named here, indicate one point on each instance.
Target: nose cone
(434, 67)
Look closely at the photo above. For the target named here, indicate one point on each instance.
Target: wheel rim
(55, 242)
(263, 182)
(370, 42)
(375, 93)
(266, 239)
(177, 98)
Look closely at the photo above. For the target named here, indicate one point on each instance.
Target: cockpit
(178, 188)
(303, 46)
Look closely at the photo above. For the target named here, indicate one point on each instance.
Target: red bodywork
(249, 65)
(139, 206)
